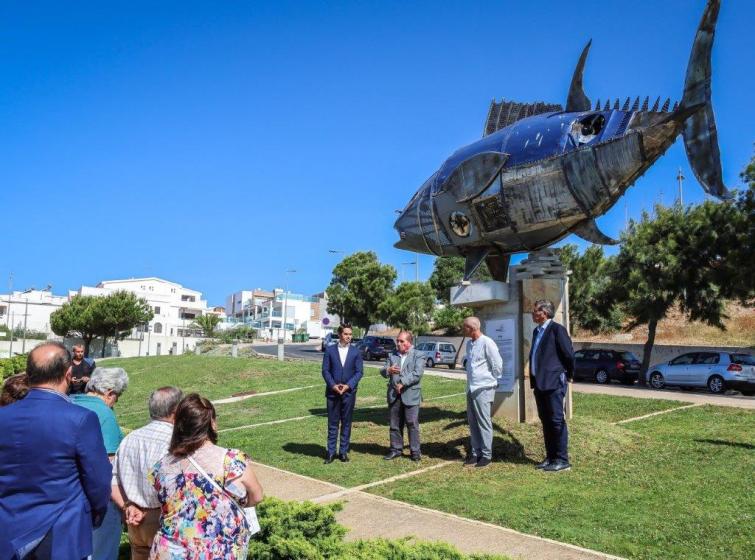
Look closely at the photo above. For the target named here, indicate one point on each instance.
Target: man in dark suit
(54, 472)
(551, 367)
(342, 370)
(404, 369)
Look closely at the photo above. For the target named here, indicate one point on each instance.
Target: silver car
(718, 371)
(437, 353)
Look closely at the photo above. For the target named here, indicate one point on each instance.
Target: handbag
(249, 513)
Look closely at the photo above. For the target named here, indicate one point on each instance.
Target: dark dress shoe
(470, 461)
(329, 459)
(393, 455)
(544, 464)
(344, 457)
(416, 458)
(483, 462)
(558, 466)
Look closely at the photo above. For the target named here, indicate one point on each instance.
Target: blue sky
(218, 144)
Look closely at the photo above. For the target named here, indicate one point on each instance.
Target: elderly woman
(202, 489)
(105, 386)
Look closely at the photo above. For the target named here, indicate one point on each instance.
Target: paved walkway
(365, 514)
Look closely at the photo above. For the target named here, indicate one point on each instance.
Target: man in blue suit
(342, 370)
(551, 367)
(54, 472)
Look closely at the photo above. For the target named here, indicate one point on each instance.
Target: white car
(438, 353)
(718, 371)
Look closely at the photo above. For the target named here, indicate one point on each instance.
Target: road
(311, 352)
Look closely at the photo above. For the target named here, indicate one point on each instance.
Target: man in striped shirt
(138, 452)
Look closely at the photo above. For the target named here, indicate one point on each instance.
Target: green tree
(77, 317)
(359, 285)
(450, 319)
(117, 313)
(410, 307)
(590, 307)
(90, 317)
(448, 272)
(683, 257)
(208, 323)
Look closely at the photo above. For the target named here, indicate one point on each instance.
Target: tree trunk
(104, 342)
(87, 344)
(456, 360)
(647, 350)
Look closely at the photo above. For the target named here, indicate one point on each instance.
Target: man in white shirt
(484, 366)
(137, 453)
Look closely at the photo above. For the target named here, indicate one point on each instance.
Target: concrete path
(365, 516)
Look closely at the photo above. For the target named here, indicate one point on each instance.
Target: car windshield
(743, 359)
(629, 357)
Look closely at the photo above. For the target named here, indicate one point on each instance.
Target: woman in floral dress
(197, 521)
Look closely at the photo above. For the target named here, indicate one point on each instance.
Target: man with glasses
(404, 369)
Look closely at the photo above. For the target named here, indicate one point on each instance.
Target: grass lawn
(671, 486)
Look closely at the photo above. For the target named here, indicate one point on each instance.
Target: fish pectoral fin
(473, 260)
(588, 230)
(473, 175)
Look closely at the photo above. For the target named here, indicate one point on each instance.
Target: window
(157, 310)
(448, 348)
(579, 355)
(629, 357)
(742, 359)
(158, 328)
(707, 358)
(684, 359)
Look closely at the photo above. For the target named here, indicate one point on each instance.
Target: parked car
(602, 366)
(718, 371)
(437, 353)
(376, 347)
(328, 340)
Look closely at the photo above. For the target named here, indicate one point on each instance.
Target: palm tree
(207, 323)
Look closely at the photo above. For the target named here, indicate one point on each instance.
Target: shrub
(12, 366)
(308, 531)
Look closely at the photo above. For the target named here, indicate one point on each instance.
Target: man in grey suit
(404, 369)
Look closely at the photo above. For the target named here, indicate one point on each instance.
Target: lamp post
(282, 341)
(414, 262)
(26, 316)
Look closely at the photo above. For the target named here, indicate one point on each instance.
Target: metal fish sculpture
(542, 171)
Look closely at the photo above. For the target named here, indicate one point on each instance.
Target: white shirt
(536, 343)
(136, 455)
(403, 359)
(343, 352)
(484, 364)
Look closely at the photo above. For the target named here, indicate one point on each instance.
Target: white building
(174, 307)
(29, 309)
(263, 310)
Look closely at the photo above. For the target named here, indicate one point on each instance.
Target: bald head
(47, 363)
(472, 327)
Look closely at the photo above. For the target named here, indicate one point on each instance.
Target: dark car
(376, 347)
(602, 366)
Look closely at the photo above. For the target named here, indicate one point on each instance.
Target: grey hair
(473, 322)
(164, 401)
(408, 334)
(104, 379)
(546, 306)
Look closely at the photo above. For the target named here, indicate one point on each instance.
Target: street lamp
(26, 316)
(415, 262)
(282, 341)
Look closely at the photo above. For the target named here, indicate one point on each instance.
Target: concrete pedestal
(505, 311)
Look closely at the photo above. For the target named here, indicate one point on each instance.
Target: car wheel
(656, 380)
(430, 363)
(601, 376)
(716, 384)
(367, 356)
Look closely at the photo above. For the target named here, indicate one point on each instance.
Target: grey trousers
(402, 415)
(480, 423)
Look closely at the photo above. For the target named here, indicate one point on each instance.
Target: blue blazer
(54, 475)
(555, 356)
(334, 373)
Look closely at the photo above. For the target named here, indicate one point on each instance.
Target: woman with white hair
(105, 386)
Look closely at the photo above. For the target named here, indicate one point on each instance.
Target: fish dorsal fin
(577, 100)
(588, 230)
(504, 113)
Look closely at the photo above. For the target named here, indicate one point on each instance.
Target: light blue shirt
(536, 343)
(111, 432)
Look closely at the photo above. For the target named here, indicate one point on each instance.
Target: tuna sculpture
(542, 171)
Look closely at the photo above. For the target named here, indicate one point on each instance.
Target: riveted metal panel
(618, 161)
(584, 181)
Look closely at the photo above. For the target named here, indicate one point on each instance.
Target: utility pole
(680, 178)
(282, 341)
(26, 316)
